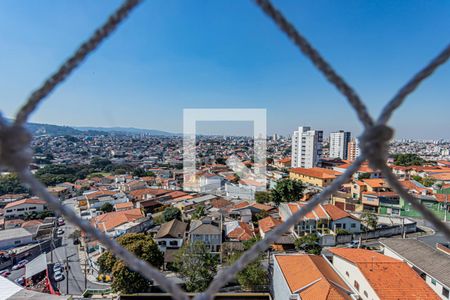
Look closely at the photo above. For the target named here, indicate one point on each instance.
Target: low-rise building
(14, 237)
(171, 235)
(377, 276)
(207, 231)
(314, 176)
(431, 264)
(19, 208)
(307, 277)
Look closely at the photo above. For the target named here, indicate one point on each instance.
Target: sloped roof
(109, 221)
(430, 260)
(172, 229)
(268, 223)
(316, 172)
(25, 201)
(336, 213)
(242, 232)
(312, 277)
(389, 277)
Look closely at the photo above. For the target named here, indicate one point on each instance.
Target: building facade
(339, 142)
(306, 147)
(353, 149)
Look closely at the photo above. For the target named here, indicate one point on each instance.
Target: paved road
(431, 240)
(74, 282)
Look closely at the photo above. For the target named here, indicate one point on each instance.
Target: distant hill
(129, 130)
(41, 129)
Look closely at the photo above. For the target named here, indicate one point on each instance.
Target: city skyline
(165, 59)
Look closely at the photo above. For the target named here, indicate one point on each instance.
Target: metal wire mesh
(15, 151)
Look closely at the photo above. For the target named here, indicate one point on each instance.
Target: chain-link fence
(16, 153)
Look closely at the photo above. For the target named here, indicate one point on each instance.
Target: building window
(433, 281)
(31, 207)
(20, 209)
(9, 210)
(365, 294)
(356, 284)
(353, 225)
(444, 292)
(173, 243)
(346, 273)
(18, 242)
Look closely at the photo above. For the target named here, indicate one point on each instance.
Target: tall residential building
(306, 147)
(353, 149)
(339, 144)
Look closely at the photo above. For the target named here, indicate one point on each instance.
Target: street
(74, 281)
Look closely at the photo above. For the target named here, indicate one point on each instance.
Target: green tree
(171, 213)
(199, 212)
(139, 172)
(107, 207)
(369, 219)
(364, 176)
(253, 275)
(262, 197)
(308, 243)
(287, 190)
(196, 265)
(408, 159)
(126, 280)
(10, 184)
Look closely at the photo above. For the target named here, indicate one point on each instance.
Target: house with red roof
(376, 276)
(321, 219)
(308, 277)
(19, 208)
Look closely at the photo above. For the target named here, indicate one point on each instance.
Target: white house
(431, 264)
(307, 277)
(17, 209)
(375, 276)
(171, 235)
(14, 237)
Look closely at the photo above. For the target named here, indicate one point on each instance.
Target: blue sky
(172, 55)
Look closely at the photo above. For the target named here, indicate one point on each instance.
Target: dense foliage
(199, 212)
(171, 213)
(10, 184)
(308, 243)
(126, 280)
(196, 265)
(107, 207)
(287, 190)
(262, 197)
(369, 219)
(408, 159)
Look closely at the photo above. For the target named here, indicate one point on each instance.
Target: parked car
(20, 281)
(20, 264)
(58, 276)
(61, 222)
(352, 244)
(57, 267)
(5, 273)
(60, 231)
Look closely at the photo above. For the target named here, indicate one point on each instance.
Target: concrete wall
(281, 289)
(350, 273)
(435, 285)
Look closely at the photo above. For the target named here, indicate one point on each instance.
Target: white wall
(348, 222)
(281, 290)
(342, 266)
(437, 287)
(13, 211)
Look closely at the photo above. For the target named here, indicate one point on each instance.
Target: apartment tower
(306, 147)
(339, 144)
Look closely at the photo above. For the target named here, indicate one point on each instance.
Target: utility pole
(67, 272)
(85, 275)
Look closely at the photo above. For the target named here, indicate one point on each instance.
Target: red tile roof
(336, 213)
(390, 278)
(25, 201)
(243, 232)
(109, 221)
(268, 223)
(312, 277)
(316, 172)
